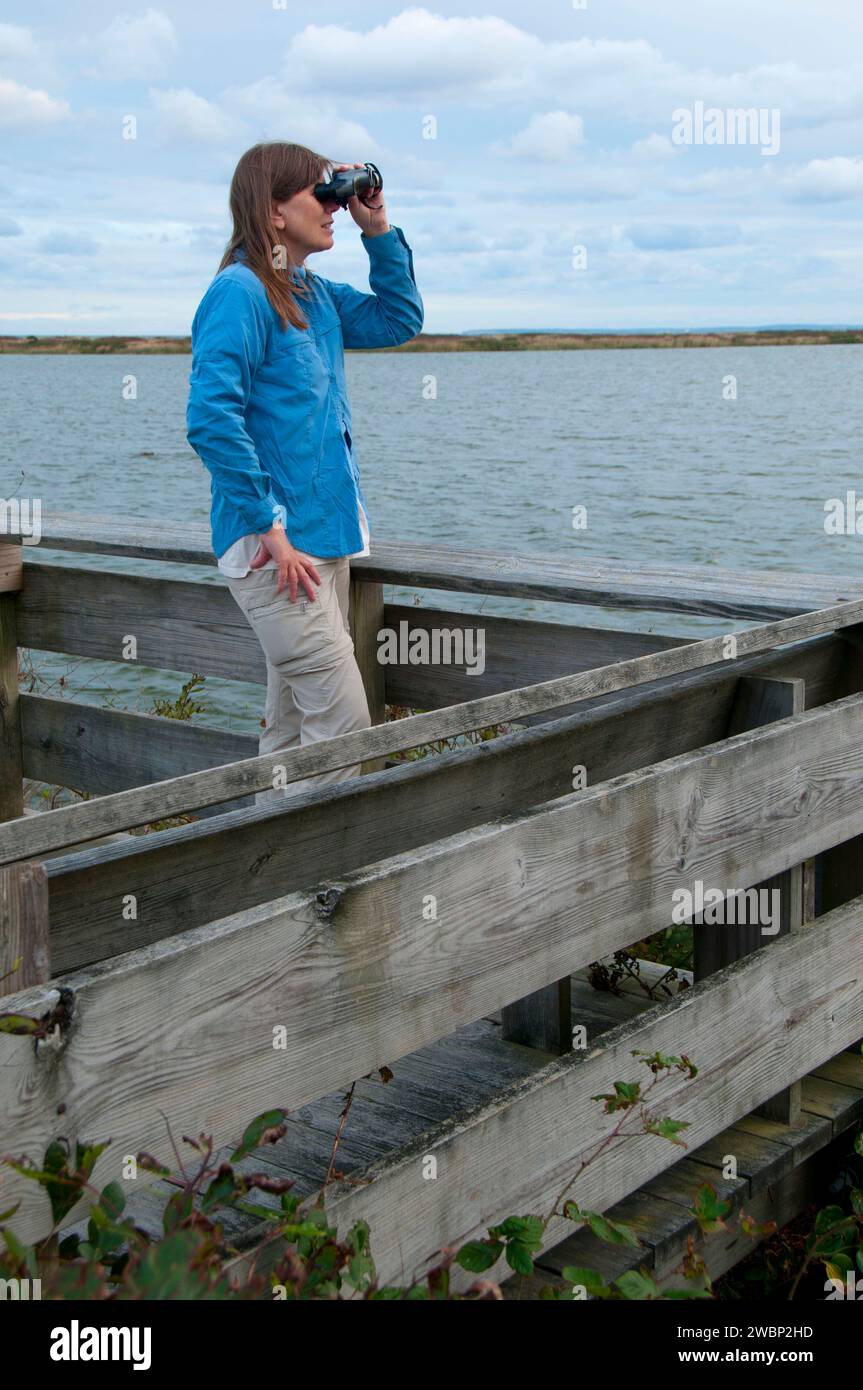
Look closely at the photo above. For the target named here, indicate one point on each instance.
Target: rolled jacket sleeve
(393, 312)
(229, 339)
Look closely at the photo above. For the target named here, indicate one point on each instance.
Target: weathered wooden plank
(177, 624)
(761, 700)
(543, 1127)
(75, 744)
(24, 935)
(175, 875)
(844, 1070)
(124, 810)
(772, 1167)
(507, 652)
(740, 593)
(832, 1101)
(252, 856)
(359, 977)
(68, 743)
(184, 625)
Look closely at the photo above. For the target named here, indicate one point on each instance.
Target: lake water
(667, 468)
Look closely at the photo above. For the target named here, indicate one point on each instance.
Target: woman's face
(304, 224)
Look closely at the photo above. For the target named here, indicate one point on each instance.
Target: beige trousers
(314, 686)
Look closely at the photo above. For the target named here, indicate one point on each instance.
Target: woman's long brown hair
(267, 174)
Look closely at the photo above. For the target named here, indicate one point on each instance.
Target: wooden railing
(729, 763)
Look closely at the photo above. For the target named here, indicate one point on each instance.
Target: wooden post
(24, 952)
(366, 610)
(25, 957)
(542, 1020)
(760, 701)
(11, 766)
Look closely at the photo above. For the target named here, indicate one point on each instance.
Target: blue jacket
(268, 411)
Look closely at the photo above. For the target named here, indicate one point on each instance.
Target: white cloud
(827, 180)
(549, 136)
(185, 115)
(16, 43)
(25, 107)
(653, 149)
(657, 236)
(280, 115)
(421, 56)
(65, 243)
(414, 54)
(135, 47)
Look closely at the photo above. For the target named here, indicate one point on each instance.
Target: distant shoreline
(457, 342)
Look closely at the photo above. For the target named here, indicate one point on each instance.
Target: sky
(547, 163)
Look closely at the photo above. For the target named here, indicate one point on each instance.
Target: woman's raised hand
(373, 219)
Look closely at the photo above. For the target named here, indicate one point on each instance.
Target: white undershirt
(236, 561)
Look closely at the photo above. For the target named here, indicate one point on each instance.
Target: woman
(269, 416)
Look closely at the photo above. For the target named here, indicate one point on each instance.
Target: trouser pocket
(306, 635)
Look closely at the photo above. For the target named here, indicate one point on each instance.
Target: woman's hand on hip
(293, 570)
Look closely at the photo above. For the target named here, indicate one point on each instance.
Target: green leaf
(636, 1285)
(360, 1272)
(19, 1024)
(667, 1128)
(518, 1258)
(177, 1209)
(16, 1249)
(478, 1255)
(591, 1279)
(259, 1132)
(113, 1199)
(827, 1217)
(526, 1229)
(358, 1238)
(86, 1156)
(626, 1094)
(254, 1209)
(709, 1209)
(222, 1190)
(612, 1232)
(686, 1293)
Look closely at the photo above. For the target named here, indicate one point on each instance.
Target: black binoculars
(349, 183)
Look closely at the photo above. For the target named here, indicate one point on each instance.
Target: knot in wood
(326, 901)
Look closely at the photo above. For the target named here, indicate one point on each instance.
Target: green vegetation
(489, 342)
